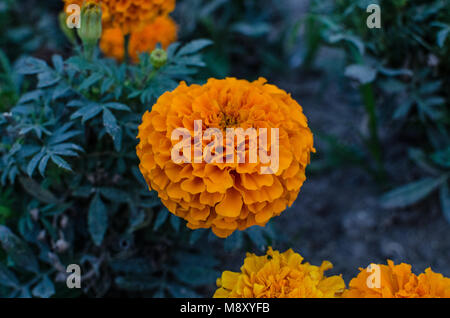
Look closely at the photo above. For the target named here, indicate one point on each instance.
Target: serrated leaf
(411, 193)
(97, 220)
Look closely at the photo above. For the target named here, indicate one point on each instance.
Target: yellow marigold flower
(397, 281)
(163, 30)
(225, 196)
(129, 15)
(279, 275)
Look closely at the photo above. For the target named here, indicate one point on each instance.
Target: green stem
(89, 52)
(373, 141)
(126, 45)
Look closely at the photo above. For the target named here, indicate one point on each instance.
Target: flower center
(229, 121)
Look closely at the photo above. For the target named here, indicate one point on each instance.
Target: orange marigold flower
(112, 43)
(163, 30)
(129, 15)
(225, 196)
(397, 281)
(279, 275)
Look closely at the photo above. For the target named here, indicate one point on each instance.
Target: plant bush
(402, 71)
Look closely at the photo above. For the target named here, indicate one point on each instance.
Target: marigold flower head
(279, 275)
(225, 196)
(163, 30)
(129, 15)
(397, 281)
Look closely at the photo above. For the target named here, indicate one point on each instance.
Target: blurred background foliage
(71, 192)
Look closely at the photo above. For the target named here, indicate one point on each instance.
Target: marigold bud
(90, 29)
(158, 58)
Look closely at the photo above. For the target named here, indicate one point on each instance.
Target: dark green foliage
(68, 149)
(403, 73)
(250, 37)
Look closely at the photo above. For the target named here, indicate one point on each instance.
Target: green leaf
(47, 79)
(256, 236)
(31, 65)
(179, 291)
(34, 189)
(234, 241)
(361, 73)
(97, 220)
(60, 162)
(34, 162)
(444, 196)
(18, 250)
(410, 193)
(30, 96)
(161, 218)
(442, 158)
(137, 283)
(112, 128)
(91, 80)
(175, 222)
(194, 47)
(87, 112)
(43, 164)
(8, 278)
(117, 106)
(132, 266)
(196, 235)
(251, 29)
(196, 275)
(44, 289)
(114, 195)
(442, 36)
(354, 40)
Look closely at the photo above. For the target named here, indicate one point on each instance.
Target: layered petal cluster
(279, 275)
(225, 196)
(162, 30)
(129, 15)
(397, 281)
